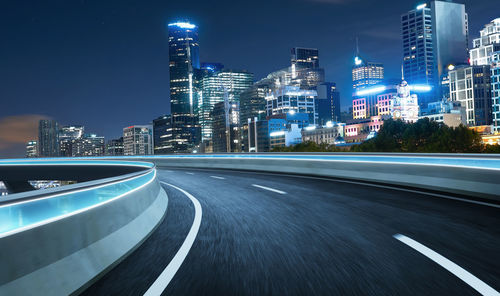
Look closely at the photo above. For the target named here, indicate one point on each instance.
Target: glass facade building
(293, 99)
(138, 140)
(327, 103)
(184, 65)
(162, 133)
(48, 138)
(66, 136)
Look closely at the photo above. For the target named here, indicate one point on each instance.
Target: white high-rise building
(292, 99)
(138, 140)
(486, 45)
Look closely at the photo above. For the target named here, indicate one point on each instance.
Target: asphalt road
(264, 234)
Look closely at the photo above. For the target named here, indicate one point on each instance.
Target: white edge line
(268, 188)
(169, 272)
(217, 177)
(447, 264)
(47, 221)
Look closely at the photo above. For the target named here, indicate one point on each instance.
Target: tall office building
(226, 127)
(184, 64)
(486, 44)
(87, 145)
(471, 86)
(48, 138)
(31, 149)
(435, 35)
(366, 74)
(217, 86)
(66, 136)
(292, 99)
(162, 133)
(114, 147)
(305, 71)
(305, 58)
(327, 103)
(495, 90)
(138, 140)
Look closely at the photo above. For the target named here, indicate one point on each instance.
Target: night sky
(104, 64)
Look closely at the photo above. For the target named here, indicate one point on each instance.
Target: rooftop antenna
(402, 73)
(357, 46)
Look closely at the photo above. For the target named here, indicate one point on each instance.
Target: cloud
(15, 130)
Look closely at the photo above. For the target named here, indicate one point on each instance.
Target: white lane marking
(168, 273)
(217, 177)
(189, 173)
(168, 171)
(268, 188)
(458, 271)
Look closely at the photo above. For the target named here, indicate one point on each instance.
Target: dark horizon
(105, 65)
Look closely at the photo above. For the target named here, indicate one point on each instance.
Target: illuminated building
(66, 136)
(184, 64)
(470, 85)
(305, 58)
(215, 87)
(290, 136)
(495, 90)
(31, 149)
(226, 127)
(359, 108)
(327, 103)
(305, 70)
(330, 134)
(404, 105)
(162, 133)
(48, 138)
(450, 113)
(357, 131)
(252, 105)
(114, 147)
(486, 45)
(366, 74)
(87, 145)
(435, 35)
(366, 100)
(138, 140)
(292, 99)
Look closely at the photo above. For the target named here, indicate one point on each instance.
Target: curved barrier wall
(56, 241)
(470, 175)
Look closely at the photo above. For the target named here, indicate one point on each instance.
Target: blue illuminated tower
(184, 63)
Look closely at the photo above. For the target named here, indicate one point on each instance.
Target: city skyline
(44, 98)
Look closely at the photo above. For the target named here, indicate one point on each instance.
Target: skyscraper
(184, 64)
(162, 133)
(215, 87)
(294, 100)
(31, 149)
(435, 35)
(226, 127)
(486, 44)
(304, 68)
(327, 103)
(66, 136)
(305, 58)
(48, 138)
(87, 145)
(366, 74)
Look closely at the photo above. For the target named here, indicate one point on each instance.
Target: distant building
(486, 45)
(471, 86)
(357, 131)
(138, 140)
(252, 104)
(87, 145)
(184, 64)
(292, 99)
(305, 70)
(450, 113)
(31, 149)
(330, 134)
(226, 127)
(162, 132)
(48, 138)
(305, 57)
(366, 74)
(66, 136)
(404, 105)
(495, 90)
(287, 137)
(435, 35)
(215, 87)
(327, 103)
(114, 147)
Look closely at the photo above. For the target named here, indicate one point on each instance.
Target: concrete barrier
(461, 175)
(64, 255)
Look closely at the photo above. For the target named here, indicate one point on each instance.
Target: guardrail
(467, 175)
(57, 241)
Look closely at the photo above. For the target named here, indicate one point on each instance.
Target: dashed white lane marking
(168, 273)
(458, 271)
(189, 173)
(217, 177)
(269, 188)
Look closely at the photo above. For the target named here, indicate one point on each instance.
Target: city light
(422, 6)
(310, 128)
(420, 88)
(291, 112)
(357, 61)
(329, 124)
(451, 67)
(277, 134)
(372, 90)
(182, 25)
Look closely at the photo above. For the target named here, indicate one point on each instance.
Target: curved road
(265, 234)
